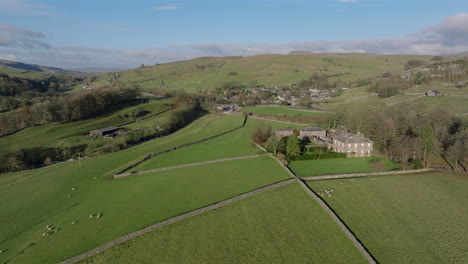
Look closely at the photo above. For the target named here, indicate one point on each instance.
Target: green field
(75, 133)
(279, 226)
(234, 144)
(272, 69)
(127, 204)
(281, 111)
(420, 218)
(335, 166)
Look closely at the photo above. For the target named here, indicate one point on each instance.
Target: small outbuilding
(433, 93)
(105, 132)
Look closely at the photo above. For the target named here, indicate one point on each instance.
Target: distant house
(433, 93)
(311, 132)
(224, 107)
(105, 132)
(354, 145)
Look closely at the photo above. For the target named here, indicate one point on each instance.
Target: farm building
(311, 132)
(433, 93)
(284, 132)
(105, 132)
(355, 145)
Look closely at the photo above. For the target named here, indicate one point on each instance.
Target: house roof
(434, 91)
(284, 129)
(346, 137)
(353, 139)
(312, 129)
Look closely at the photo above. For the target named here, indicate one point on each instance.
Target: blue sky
(119, 33)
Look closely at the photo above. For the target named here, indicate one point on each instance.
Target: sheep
(73, 222)
(45, 234)
(69, 195)
(90, 216)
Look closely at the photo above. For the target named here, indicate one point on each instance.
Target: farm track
(174, 220)
(186, 165)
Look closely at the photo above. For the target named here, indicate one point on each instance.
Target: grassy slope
(334, 166)
(15, 72)
(264, 69)
(279, 226)
(47, 188)
(231, 145)
(281, 111)
(128, 204)
(72, 132)
(405, 219)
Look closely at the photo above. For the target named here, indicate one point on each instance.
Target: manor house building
(354, 145)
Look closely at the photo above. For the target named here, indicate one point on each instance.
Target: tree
(429, 146)
(274, 144)
(292, 147)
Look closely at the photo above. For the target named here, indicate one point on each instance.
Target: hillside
(32, 67)
(272, 69)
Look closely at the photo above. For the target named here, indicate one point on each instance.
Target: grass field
(272, 69)
(419, 218)
(335, 166)
(279, 226)
(234, 144)
(72, 133)
(127, 204)
(281, 111)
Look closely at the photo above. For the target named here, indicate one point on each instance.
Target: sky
(126, 34)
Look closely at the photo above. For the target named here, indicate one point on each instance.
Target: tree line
(64, 108)
(411, 135)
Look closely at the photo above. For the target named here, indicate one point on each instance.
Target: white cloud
(21, 7)
(447, 37)
(11, 36)
(10, 57)
(168, 7)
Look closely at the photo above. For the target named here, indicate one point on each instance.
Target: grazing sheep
(90, 216)
(73, 222)
(69, 195)
(45, 234)
(1, 251)
(341, 183)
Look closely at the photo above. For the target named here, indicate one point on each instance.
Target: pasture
(75, 133)
(124, 205)
(272, 69)
(234, 144)
(279, 226)
(420, 218)
(305, 168)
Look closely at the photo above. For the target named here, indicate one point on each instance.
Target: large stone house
(354, 145)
